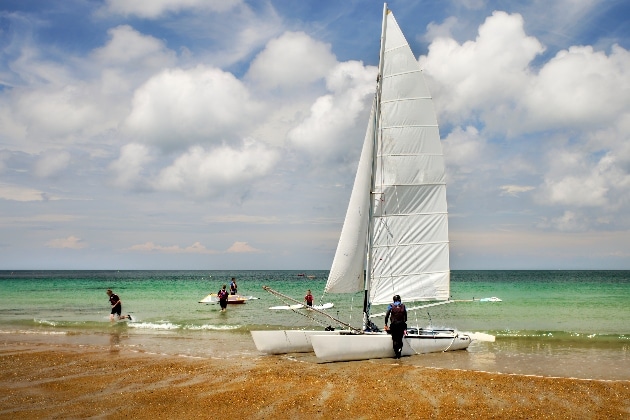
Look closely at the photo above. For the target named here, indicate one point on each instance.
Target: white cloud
(51, 163)
(71, 242)
(152, 9)
(486, 75)
(515, 190)
(242, 248)
(58, 111)
(465, 149)
(574, 180)
(563, 126)
(17, 193)
(579, 87)
(333, 117)
(443, 30)
(294, 59)
(196, 248)
(128, 168)
(177, 108)
(568, 221)
(125, 62)
(127, 46)
(491, 78)
(63, 105)
(202, 173)
(77, 99)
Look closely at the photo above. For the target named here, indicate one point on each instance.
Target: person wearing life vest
(308, 298)
(398, 313)
(223, 298)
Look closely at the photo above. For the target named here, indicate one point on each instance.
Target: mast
(376, 136)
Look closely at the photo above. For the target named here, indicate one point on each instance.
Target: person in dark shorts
(397, 328)
(233, 287)
(116, 303)
(223, 298)
(308, 298)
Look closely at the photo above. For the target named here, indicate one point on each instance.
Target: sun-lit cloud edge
(196, 248)
(71, 242)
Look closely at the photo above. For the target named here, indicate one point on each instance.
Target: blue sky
(202, 134)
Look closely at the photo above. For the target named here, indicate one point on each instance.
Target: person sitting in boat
(308, 298)
(398, 325)
(233, 287)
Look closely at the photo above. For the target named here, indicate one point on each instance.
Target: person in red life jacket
(397, 328)
(116, 303)
(223, 298)
(308, 298)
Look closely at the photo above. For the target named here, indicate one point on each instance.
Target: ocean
(550, 323)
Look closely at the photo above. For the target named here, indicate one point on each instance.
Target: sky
(225, 134)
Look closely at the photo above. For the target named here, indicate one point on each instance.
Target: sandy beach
(53, 381)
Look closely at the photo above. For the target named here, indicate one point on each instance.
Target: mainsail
(400, 185)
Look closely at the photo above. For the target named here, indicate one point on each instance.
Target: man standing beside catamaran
(397, 328)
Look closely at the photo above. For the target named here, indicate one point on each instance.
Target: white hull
(301, 306)
(346, 347)
(213, 298)
(286, 341)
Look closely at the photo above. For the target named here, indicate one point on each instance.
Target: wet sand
(39, 380)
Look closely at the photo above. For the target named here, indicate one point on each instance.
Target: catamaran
(394, 238)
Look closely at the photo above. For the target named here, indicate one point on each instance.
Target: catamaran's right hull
(286, 341)
(346, 347)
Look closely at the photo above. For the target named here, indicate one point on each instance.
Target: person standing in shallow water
(233, 287)
(308, 298)
(223, 298)
(397, 328)
(116, 303)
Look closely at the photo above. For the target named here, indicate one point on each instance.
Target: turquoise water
(564, 323)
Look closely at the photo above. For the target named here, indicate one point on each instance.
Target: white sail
(346, 273)
(410, 254)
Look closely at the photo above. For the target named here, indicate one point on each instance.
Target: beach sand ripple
(46, 381)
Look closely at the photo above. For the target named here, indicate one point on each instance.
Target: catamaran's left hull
(346, 347)
(286, 341)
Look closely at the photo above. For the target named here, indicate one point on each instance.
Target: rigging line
(450, 345)
(411, 98)
(273, 292)
(312, 318)
(423, 306)
(307, 315)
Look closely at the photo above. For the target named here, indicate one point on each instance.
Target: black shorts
(117, 310)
